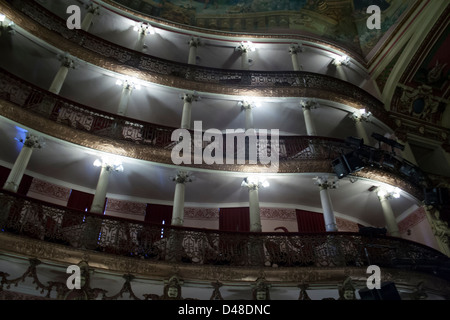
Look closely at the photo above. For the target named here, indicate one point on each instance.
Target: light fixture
(246, 46)
(130, 83)
(143, 28)
(362, 115)
(254, 182)
(341, 60)
(110, 163)
(388, 192)
(2, 17)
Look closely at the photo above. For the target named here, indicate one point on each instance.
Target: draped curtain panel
(78, 200)
(234, 219)
(308, 221)
(157, 213)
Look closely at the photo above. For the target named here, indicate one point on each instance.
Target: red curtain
(234, 219)
(308, 221)
(157, 213)
(80, 201)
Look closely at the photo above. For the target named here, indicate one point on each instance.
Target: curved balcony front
(49, 223)
(66, 120)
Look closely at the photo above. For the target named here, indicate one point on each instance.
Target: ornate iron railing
(205, 75)
(100, 123)
(40, 220)
(103, 124)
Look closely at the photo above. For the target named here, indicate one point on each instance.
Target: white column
(327, 205)
(107, 166)
(255, 216)
(244, 60)
(187, 110)
(140, 41)
(309, 123)
(244, 48)
(294, 50)
(178, 204)
(87, 21)
(16, 174)
(248, 114)
(181, 179)
(98, 203)
(391, 223)
(361, 131)
(124, 99)
(253, 184)
(193, 45)
(61, 75)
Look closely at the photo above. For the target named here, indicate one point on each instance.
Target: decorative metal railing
(205, 75)
(40, 220)
(102, 124)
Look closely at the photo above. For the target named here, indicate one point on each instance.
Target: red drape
(80, 201)
(234, 219)
(157, 213)
(308, 221)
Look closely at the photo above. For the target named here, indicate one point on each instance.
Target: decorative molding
(126, 207)
(201, 213)
(50, 190)
(344, 225)
(278, 214)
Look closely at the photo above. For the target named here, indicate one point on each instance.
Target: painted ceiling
(340, 21)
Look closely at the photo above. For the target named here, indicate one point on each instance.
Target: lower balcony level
(40, 240)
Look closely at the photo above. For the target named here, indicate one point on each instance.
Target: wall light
(389, 192)
(129, 83)
(255, 182)
(110, 163)
(341, 60)
(246, 46)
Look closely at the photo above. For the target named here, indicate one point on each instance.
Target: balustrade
(57, 224)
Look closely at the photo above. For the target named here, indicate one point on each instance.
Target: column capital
(245, 47)
(325, 182)
(296, 48)
(183, 177)
(194, 42)
(247, 104)
(309, 104)
(34, 142)
(92, 8)
(190, 97)
(67, 61)
(255, 183)
(110, 164)
(361, 116)
(387, 193)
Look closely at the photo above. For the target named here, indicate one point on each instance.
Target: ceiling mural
(340, 21)
(423, 92)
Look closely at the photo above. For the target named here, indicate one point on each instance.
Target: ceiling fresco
(342, 22)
